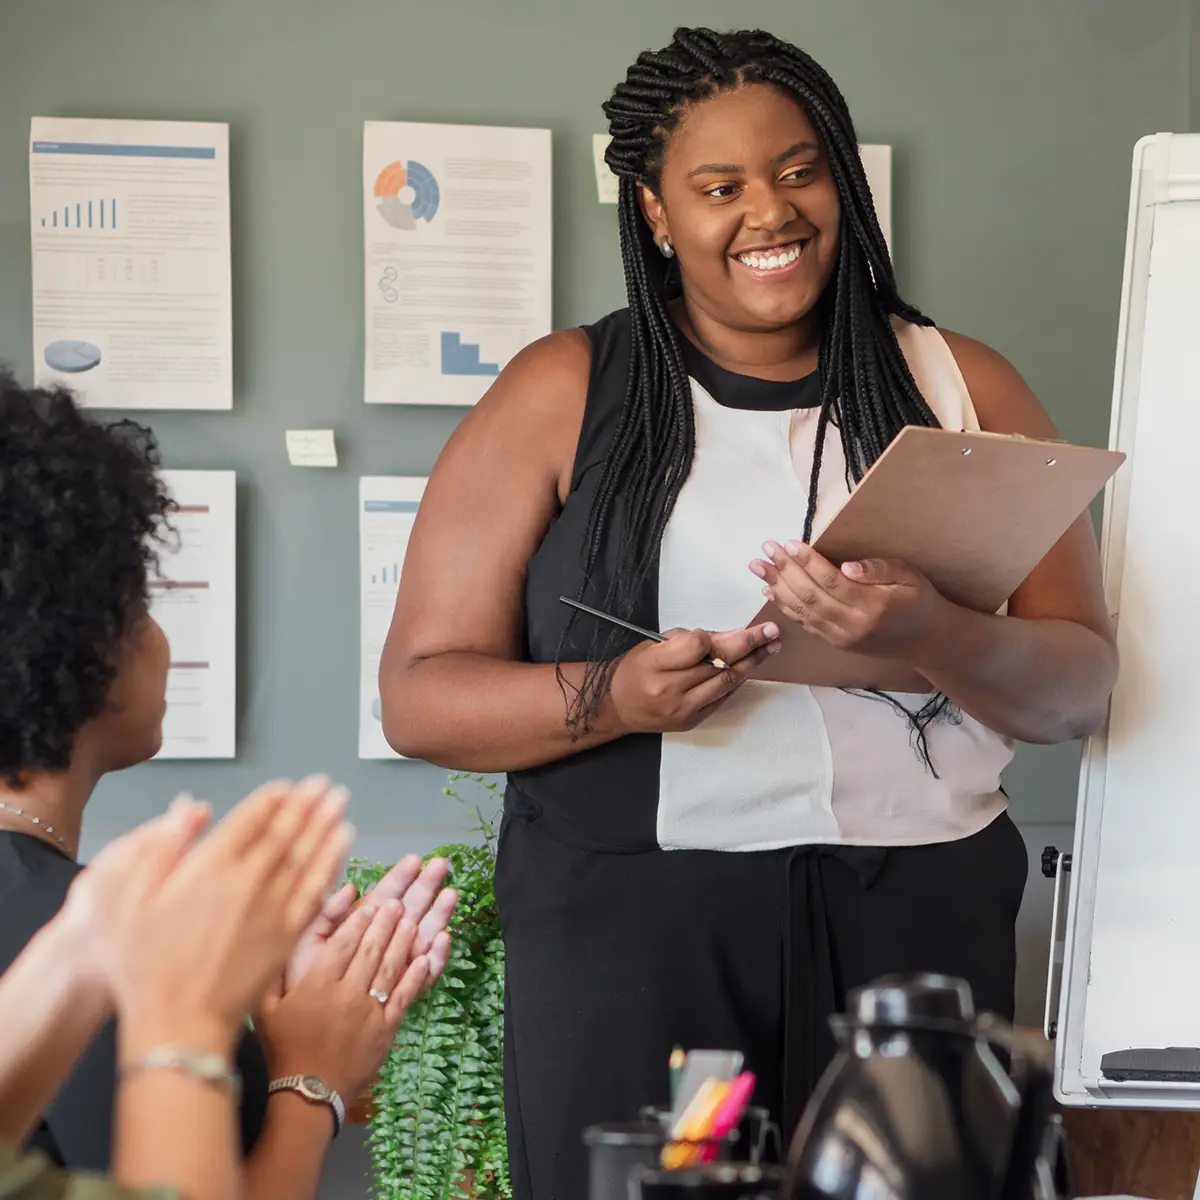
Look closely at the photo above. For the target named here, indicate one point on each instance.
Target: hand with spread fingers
(419, 889)
(875, 606)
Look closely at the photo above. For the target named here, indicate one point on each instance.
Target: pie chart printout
(407, 193)
(71, 356)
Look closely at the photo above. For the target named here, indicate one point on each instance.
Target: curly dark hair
(82, 512)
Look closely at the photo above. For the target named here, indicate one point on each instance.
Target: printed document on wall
(457, 232)
(877, 165)
(129, 224)
(387, 508)
(193, 598)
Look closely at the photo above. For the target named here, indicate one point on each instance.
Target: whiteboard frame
(1166, 169)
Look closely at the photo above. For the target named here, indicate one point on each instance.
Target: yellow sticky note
(311, 448)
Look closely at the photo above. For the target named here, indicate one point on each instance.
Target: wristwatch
(316, 1090)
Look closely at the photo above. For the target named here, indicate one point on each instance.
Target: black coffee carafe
(924, 1101)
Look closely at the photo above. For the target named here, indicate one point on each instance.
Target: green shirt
(31, 1177)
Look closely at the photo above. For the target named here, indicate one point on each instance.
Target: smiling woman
(690, 855)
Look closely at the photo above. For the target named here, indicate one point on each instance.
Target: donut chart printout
(129, 233)
(457, 254)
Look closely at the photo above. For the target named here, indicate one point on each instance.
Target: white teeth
(771, 262)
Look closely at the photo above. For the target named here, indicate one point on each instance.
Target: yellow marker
(694, 1125)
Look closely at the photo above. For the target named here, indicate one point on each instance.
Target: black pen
(649, 634)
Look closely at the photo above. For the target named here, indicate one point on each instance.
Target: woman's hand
(329, 1023)
(195, 948)
(670, 686)
(878, 607)
(135, 864)
(419, 889)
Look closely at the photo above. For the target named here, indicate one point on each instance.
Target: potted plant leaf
(437, 1116)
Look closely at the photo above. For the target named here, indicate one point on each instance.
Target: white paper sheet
(387, 508)
(129, 224)
(457, 235)
(194, 600)
(608, 186)
(877, 163)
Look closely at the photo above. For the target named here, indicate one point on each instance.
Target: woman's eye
(799, 175)
(722, 191)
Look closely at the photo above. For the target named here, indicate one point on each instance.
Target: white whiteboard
(1132, 956)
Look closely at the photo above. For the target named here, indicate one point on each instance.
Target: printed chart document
(387, 508)
(194, 600)
(457, 231)
(129, 223)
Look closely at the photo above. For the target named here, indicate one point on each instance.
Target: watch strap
(327, 1096)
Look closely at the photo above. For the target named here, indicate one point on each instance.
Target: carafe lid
(913, 1001)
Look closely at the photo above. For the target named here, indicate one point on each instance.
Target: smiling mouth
(773, 258)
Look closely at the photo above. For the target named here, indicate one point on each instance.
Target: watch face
(316, 1087)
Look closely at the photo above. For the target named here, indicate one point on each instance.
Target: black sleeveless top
(606, 798)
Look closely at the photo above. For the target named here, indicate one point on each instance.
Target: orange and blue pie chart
(407, 193)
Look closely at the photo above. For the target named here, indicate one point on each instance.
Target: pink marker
(729, 1114)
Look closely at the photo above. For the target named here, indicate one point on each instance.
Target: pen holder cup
(756, 1139)
(614, 1150)
(717, 1181)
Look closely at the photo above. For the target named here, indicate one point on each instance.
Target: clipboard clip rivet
(1050, 462)
(966, 451)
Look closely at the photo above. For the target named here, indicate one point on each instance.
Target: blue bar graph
(392, 571)
(107, 213)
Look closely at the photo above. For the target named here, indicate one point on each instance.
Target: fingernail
(770, 549)
(770, 595)
(337, 799)
(795, 549)
(774, 647)
(182, 801)
(770, 630)
(758, 569)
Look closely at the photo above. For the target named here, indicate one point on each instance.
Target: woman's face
(131, 728)
(750, 205)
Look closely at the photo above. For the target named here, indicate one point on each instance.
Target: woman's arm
(453, 688)
(49, 1012)
(1043, 673)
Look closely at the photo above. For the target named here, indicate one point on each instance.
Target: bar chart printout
(129, 227)
(387, 508)
(193, 598)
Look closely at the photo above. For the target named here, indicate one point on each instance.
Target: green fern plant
(437, 1123)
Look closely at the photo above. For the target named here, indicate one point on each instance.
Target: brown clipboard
(974, 512)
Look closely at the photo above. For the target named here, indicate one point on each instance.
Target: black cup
(717, 1181)
(614, 1150)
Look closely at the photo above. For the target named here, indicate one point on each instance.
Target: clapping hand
(337, 1018)
(421, 896)
(183, 930)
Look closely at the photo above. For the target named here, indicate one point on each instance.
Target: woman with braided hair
(690, 855)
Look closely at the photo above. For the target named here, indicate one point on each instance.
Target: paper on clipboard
(1013, 499)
